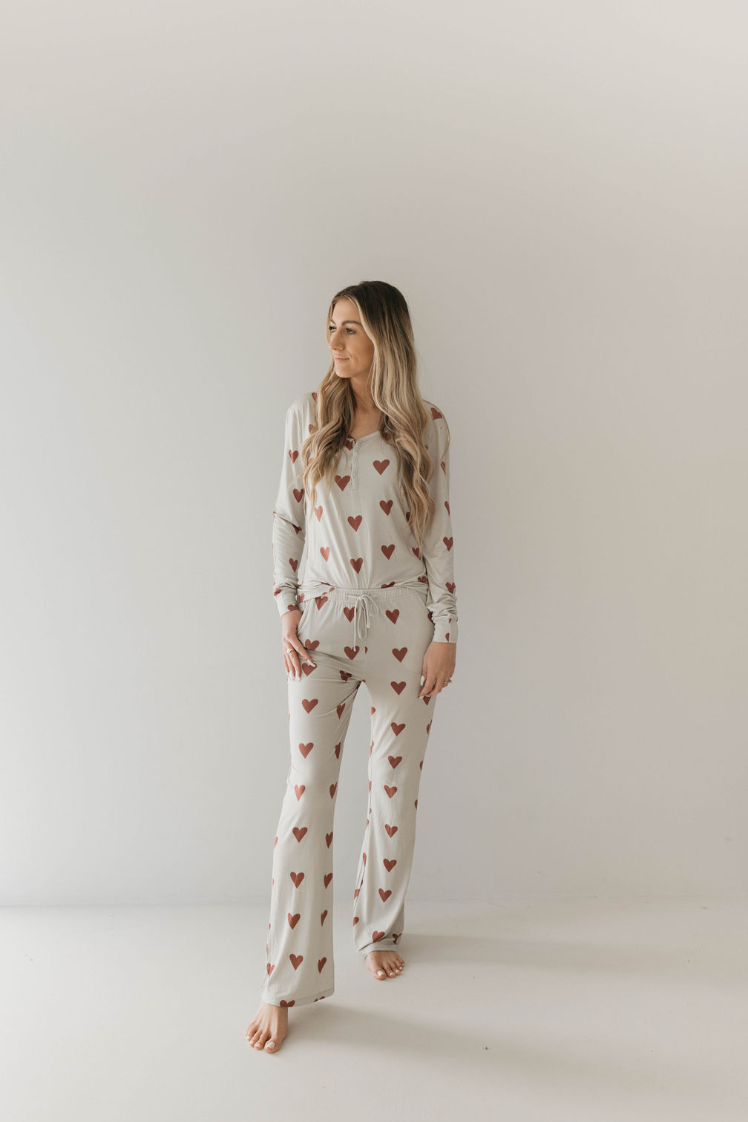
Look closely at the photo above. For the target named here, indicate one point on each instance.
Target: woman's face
(351, 347)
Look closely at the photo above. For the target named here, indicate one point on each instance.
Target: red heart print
(377, 935)
(384, 894)
(355, 920)
(293, 454)
(325, 551)
(296, 960)
(381, 465)
(398, 687)
(397, 729)
(309, 703)
(392, 615)
(287, 1003)
(355, 522)
(351, 651)
(305, 749)
(320, 963)
(299, 789)
(299, 832)
(395, 760)
(297, 878)
(293, 920)
(386, 506)
(388, 550)
(400, 654)
(390, 790)
(356, 562)
(333, 789)
(389, 864)
(342, 481)
(390, 829)
(323, 917)
(318, 511)
(270, 968)
(328, 838)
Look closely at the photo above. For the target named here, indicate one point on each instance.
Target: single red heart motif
(384, 894)
(299, 832)
(389, 864)
(297, 878)
(293, 920)
(305, 749)
(296, 960)
(299, 789)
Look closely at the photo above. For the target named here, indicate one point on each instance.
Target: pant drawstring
(363, 600)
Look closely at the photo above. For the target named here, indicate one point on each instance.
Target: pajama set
(371, 604)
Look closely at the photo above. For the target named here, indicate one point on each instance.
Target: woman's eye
(349, 330)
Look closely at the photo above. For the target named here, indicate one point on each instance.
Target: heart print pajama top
(358, 535)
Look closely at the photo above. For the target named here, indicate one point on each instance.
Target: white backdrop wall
(559, 191)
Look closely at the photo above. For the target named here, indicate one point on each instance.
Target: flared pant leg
(300, 966)
(400, 633)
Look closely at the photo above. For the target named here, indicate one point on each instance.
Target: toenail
(380, 971)
(271, 1045)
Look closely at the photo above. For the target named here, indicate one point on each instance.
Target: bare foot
(269, 1028)
(383, 964)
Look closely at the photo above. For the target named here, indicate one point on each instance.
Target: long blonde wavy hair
(393, 385)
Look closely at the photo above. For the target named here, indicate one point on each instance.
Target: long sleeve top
(358, 534)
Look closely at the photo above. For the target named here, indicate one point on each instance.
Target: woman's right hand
(292, 645)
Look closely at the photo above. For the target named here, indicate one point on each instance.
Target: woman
(365, 490)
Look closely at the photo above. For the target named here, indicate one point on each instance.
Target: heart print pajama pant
(378, 636)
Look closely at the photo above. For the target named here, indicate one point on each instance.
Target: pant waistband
(364, 600)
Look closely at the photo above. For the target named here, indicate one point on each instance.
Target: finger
(425, 683)
(436, 687)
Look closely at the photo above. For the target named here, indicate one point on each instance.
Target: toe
(271, 1046)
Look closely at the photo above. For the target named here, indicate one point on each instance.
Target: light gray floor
(562, 1011)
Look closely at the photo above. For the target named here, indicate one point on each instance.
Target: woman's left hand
(438, 668)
